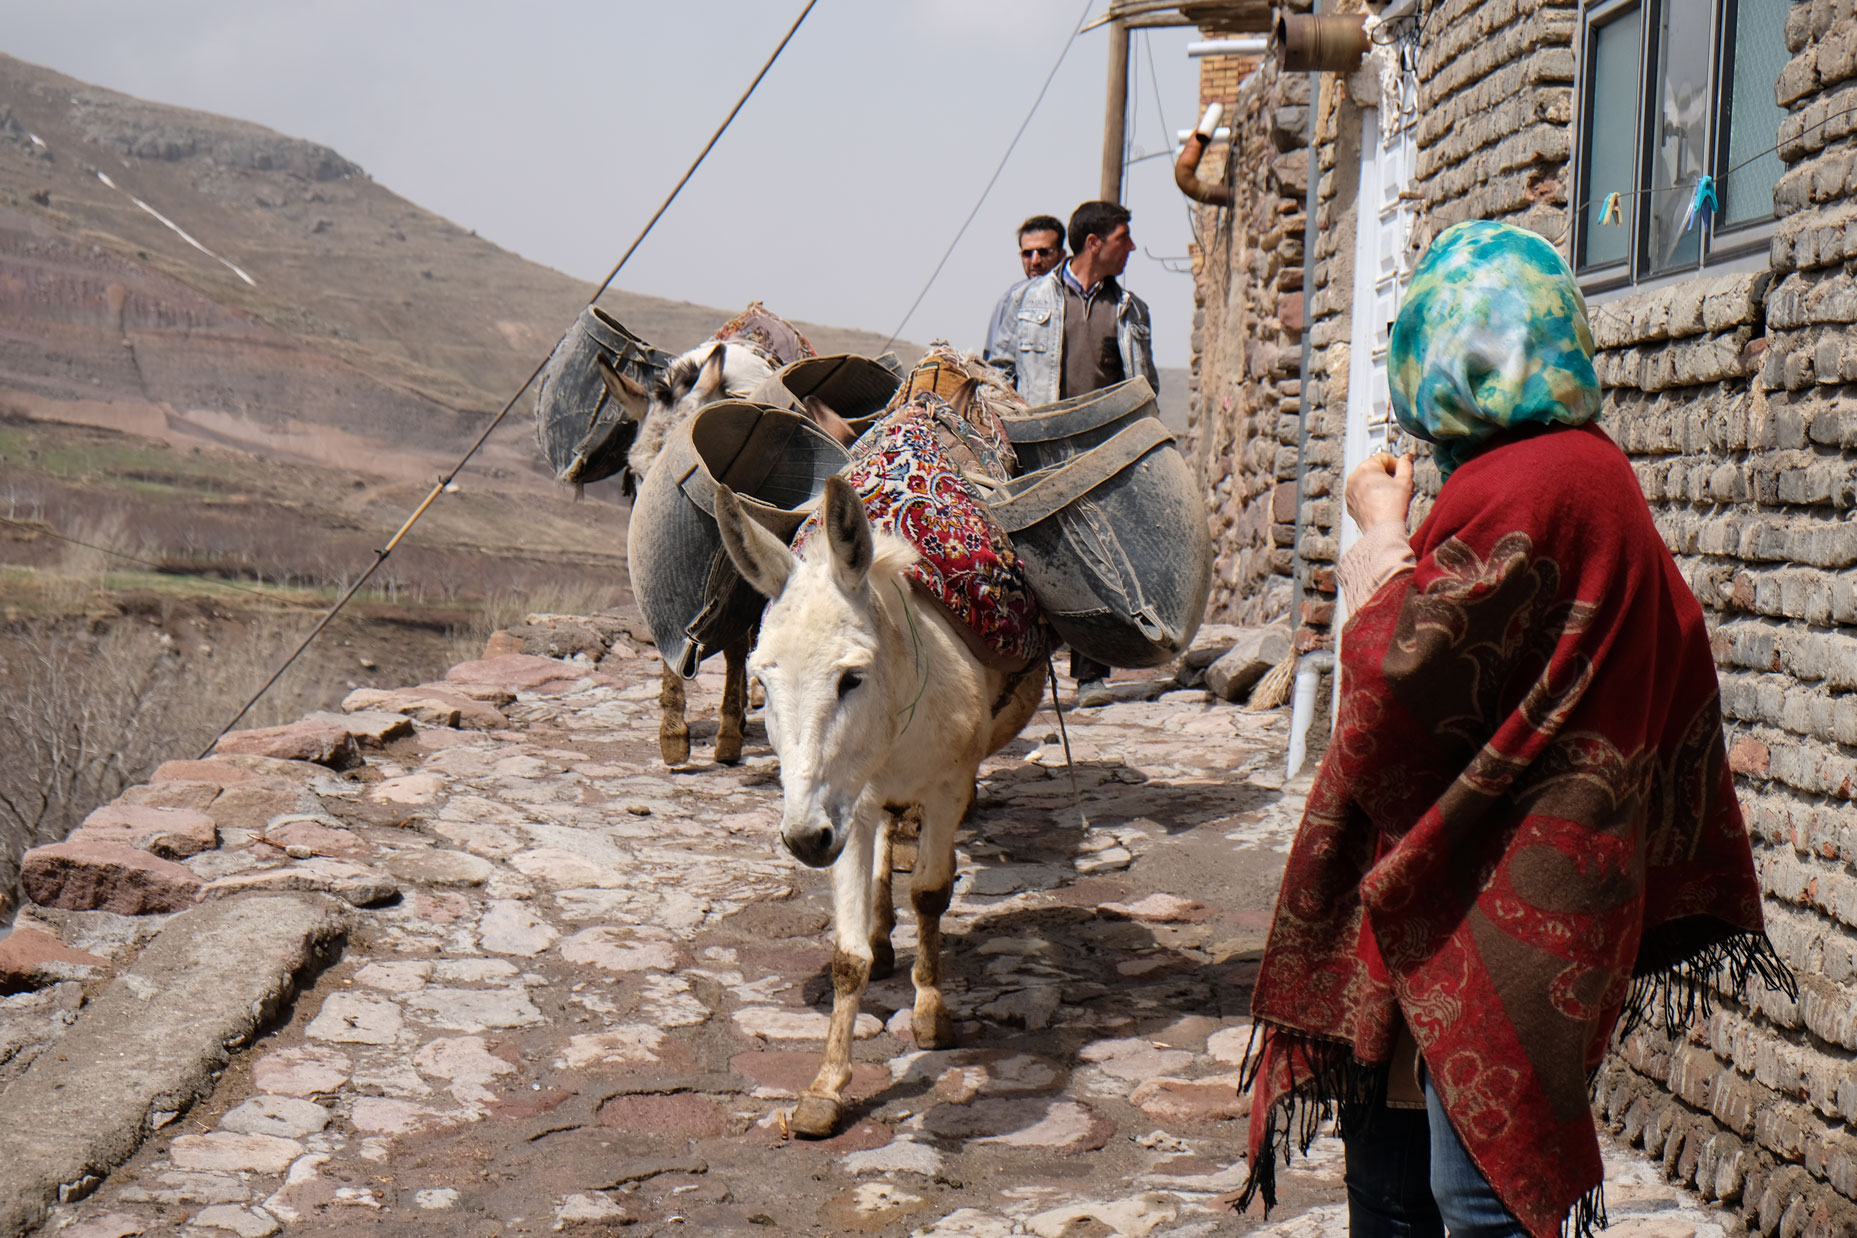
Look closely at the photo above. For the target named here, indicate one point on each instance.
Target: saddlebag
(583, 432)
(691, 595)
(1110, 524)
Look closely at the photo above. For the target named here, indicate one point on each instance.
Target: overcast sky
(555, 130)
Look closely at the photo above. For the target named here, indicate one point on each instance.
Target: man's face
(1116, 247)
(1040, 251)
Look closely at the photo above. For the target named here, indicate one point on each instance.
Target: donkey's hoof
(675, 749)
(815, 1117)
(757, 695)
(933, 1029)
(882, 959)
(728, 749)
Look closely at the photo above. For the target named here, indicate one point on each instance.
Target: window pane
(1679, 131)
(1611, 123)
(1752, 117)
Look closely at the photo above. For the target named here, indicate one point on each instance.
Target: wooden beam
(1115, 112)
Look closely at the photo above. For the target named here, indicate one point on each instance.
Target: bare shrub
(94, 707)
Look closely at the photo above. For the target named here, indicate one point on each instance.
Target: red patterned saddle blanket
(776, 339)
(908, 469)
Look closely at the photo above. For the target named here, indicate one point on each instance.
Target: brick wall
(1734, 397)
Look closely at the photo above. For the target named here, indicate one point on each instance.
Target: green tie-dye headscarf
(1492, 336)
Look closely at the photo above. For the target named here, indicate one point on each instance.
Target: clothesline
(1703, 202)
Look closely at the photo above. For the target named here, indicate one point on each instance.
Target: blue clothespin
(1704, 201)
(1610, 213)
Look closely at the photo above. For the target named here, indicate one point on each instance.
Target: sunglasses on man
(1046, 252)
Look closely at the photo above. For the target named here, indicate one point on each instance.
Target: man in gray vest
(1074, 330)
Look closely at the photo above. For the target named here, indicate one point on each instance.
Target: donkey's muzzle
(815, 846)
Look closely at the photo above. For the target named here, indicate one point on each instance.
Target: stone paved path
(602, 985)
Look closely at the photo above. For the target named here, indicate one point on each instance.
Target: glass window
(1756, 52)
(1611, 126)
(1679, 147)
(1671, 91)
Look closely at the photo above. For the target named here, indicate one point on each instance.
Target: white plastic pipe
(1222, 134)
(1229, 47)
(1302, 707)
(1209, 123)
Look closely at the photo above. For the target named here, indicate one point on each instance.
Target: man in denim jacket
(1075, 330)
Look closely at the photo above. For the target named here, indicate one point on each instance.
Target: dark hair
(1042, 223)
(1095, 219)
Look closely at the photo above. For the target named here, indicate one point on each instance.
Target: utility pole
(1115, 115)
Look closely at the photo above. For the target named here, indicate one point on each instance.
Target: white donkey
(875, 703)
(707, 373)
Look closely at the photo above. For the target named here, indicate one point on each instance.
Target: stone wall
(1734, 397)
(1247, 324)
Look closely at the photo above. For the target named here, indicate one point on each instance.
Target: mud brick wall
(1734, 397)
(1247, 334)
(1494, 132)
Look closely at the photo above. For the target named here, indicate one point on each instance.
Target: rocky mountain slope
(212, 277)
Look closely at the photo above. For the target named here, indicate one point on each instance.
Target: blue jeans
(1408, 1176)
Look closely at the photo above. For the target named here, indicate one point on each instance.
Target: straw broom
(1274, 688)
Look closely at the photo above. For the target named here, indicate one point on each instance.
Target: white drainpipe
(1302, 706)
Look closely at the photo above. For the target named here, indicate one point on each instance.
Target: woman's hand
(1380, 489)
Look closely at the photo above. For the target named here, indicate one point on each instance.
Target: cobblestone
(605, 1017)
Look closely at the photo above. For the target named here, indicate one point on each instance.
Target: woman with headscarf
(1524, 827)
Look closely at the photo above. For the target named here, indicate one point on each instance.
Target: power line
(991, 180)
(380, 556)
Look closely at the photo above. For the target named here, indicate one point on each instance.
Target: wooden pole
(1115, 113)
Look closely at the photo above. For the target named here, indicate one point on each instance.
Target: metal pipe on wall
(1186, 167)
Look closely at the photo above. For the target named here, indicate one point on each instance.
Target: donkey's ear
(628, 394)
(847, 530)
(763, 559)
(709, 379)
(829, 421)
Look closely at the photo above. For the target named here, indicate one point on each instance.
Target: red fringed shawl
(1524, 824)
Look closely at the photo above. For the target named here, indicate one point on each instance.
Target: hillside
(213, 278)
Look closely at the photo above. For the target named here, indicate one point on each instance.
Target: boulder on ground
(553, 636)
(516, 672)
(432, 704)
(1252, 655)
(324, 743)
(93, 876)
(171, 833)
(372, 728)
(30, 959)
(1209, 644)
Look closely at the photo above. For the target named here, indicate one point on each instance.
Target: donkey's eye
(847, 682)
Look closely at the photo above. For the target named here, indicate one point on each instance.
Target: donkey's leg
(816, 1116)
(883, 907)
(734, 701)
(930, 888)
(673, 731)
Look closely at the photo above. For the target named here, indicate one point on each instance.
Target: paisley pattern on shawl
(1524, 827)
(909, 470)
(778, 341)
